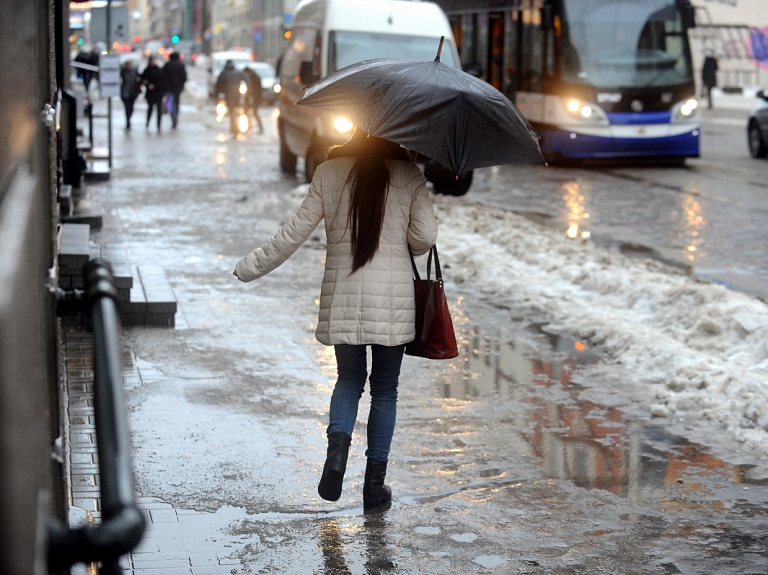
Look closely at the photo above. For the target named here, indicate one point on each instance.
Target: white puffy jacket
(375, 305)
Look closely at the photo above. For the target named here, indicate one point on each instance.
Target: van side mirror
(547, 17)
(688, 15)
(306, 74)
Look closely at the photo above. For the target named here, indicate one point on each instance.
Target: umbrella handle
(439, 49)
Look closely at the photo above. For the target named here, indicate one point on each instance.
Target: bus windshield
(624, 43)
(347, 48)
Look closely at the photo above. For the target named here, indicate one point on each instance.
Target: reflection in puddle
(334, 538)
(592, 445)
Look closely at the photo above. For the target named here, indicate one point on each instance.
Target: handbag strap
(438, 272)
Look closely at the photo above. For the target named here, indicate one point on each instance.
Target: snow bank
(698, 349)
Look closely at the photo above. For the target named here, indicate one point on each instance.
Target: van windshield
(345, 48)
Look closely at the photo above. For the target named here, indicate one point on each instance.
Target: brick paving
(175, 541)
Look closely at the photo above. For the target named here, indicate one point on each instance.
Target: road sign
(109, 75)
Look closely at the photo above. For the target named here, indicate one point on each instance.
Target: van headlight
(685, 111)
(342, 125)
(585, 112)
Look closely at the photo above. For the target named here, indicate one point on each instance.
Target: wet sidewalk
(518, 457)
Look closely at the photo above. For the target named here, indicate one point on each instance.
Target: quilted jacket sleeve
(422, 227)
(286, 241)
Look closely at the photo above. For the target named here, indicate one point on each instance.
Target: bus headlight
(685, 111)
(585, 112)
(342, 125)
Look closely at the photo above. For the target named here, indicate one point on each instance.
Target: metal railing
(122, 524)
(88, 106)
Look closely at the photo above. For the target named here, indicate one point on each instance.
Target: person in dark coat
(85, 75)
(152, 79)
(175, 76)
(709, 76)
(130, 88)
(228, 84)
(93, 60)
(254, 95)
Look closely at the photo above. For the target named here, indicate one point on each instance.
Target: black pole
(109, 98)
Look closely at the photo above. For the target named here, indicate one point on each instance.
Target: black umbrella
(445, 114)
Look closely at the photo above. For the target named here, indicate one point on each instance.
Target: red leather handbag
(435, 338)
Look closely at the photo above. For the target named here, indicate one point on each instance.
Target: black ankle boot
(335, 466)
(376, 495)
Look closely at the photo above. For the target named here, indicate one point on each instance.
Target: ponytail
(369, 179)
(369, 184)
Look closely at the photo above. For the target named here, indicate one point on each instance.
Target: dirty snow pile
(695, 349)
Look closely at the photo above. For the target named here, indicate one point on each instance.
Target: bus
(597, 79)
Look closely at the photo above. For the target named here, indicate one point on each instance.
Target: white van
(330, 34)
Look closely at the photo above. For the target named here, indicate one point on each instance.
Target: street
(706, 216)
(538, 450)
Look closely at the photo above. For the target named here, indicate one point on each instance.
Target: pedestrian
(130, 88)
(228, 87)
(174, 76)
(152, 79)
(93, 60)
(709, 76)
(254, 95)
(376, 208)
(85, 75)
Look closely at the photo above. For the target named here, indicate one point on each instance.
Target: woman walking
(376, 208)
(130, 89)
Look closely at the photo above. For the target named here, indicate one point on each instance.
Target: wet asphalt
(505, 460)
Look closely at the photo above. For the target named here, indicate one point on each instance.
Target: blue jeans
(352, 366)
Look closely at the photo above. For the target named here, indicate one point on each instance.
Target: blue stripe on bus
(639, 117)
(559, 143)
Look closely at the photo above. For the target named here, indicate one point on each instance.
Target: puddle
(490, 561)
(463, 537)
(593, 445)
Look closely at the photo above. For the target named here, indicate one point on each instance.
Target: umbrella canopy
(441, 112)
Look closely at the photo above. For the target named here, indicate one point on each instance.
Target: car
(186, 51)
(267, 74)
(135, 57)
(757, 127)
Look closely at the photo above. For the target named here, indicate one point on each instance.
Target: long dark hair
(369, 182)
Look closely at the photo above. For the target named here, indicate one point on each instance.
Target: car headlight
(585, 112)
(342, 125)
(685, 111)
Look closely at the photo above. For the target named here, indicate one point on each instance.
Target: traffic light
(136, 39)
(175, 39)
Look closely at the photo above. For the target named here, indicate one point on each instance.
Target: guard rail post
(122, 524)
